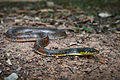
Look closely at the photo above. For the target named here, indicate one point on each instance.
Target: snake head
(88, 51)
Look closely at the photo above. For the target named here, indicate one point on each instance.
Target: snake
(42, 37)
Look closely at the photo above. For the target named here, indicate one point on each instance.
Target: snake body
(41, 37)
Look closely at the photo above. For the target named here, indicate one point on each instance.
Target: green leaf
(76, 29)
(88, 29)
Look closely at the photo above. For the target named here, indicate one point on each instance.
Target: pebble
(0, 71)
(12, 76)
(19, 68)
(50, 4)
(49, 60)
(104, 14)
(1, 27)
(17, 20)
(37, 18)
(9, 62)
(72, 43)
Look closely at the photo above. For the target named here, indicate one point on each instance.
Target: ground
(84, 31)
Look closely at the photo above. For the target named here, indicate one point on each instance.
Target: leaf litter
(83, 31)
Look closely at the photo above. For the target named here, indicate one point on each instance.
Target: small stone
(73, 43)
(9, 62)
(104, 14)
(19, 68)
(33, 12)
(12, 76)
(17, 20)
(46, 10)
(1, 27)
(37, 18)
(49, 60)
(50, 4)
(0, 71)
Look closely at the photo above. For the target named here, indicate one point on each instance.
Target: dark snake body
(42, 36)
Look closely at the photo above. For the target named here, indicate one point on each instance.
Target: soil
(29, 65)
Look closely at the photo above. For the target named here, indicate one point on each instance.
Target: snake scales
(41, 37)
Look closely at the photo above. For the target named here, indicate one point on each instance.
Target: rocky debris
(104, 15)
(0, 71)
(19, 68)
(50, 4)
(12, 76)
(9, 62)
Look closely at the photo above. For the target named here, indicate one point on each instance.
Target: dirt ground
(29, 65)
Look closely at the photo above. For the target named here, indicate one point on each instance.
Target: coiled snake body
(41, 37)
